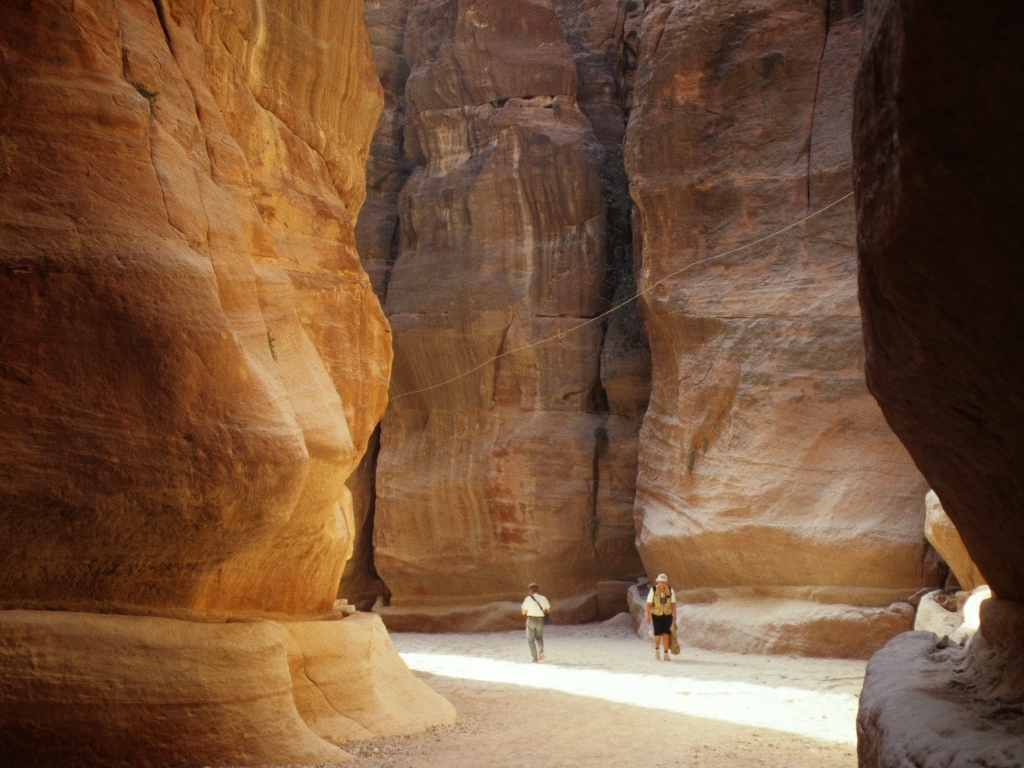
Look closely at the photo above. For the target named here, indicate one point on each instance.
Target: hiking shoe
(666, 657)
(657, 654)
(541, 655)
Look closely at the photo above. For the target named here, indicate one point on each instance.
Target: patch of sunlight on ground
(817, 714)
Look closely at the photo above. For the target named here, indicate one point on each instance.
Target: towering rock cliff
(938, 168)
(193, 363)
(502, 231)
(769, 481)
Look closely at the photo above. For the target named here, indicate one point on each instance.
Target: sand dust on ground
(601, 699)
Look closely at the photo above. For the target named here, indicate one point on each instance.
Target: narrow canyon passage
(328, 325)
(601, 699)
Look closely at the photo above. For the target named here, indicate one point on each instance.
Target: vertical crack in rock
(159, 6)
(814, 102)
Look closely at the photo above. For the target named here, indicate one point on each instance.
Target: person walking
(661, 610)
(535, 608)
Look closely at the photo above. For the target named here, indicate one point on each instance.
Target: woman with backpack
(661, 610)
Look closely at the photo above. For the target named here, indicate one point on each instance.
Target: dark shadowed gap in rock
(838, 10)
(158, 5)
(360, 583)
(602, 37)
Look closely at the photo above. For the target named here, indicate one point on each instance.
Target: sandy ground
(601, 699)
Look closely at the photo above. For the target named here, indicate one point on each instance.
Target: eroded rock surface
(193, 358)
(491, 480)
(926, 700)
(938, 185)
(938, 190)
(764, 462)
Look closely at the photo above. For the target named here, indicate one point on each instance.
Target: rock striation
(937, 174)
(194, 361)
(494, 479)
(765, 466)
(926, 699)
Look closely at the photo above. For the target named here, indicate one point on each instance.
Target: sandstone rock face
(377, 242)
(83, 689)
(938, 191)
(938, 194)
(931, 703)
(494, 479)
(597, 34)
(387, 168)
(193, 359)
(943, 535)
(764, 462)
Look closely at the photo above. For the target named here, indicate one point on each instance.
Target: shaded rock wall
(598, 37)
(193, 358)
(377, 242)
(764, 462)
(493, 480)
(461, 472)
(941, 270)
(937, 175)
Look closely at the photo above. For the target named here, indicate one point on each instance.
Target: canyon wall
(523, 468)
(193, 363)
(938, 167)
(768, 479)
(770, 489)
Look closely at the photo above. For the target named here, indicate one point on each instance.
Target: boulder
(763, 624)
(942, 534)
(939, 616)
(87, 689)
(928, 701)
(764, 461)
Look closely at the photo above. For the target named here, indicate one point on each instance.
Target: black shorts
(662, 624)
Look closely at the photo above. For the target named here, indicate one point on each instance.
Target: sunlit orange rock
(193, 357)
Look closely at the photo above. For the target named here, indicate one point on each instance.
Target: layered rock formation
(766, 470)
(193, 363)
(494, 478)
(938, 171)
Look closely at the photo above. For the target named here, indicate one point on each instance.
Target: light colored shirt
(650, 595)
(531, 607)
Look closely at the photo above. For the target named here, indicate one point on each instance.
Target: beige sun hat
(662, 577)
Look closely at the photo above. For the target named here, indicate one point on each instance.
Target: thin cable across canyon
(621, 304)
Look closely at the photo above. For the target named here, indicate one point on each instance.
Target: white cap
(662, 577)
